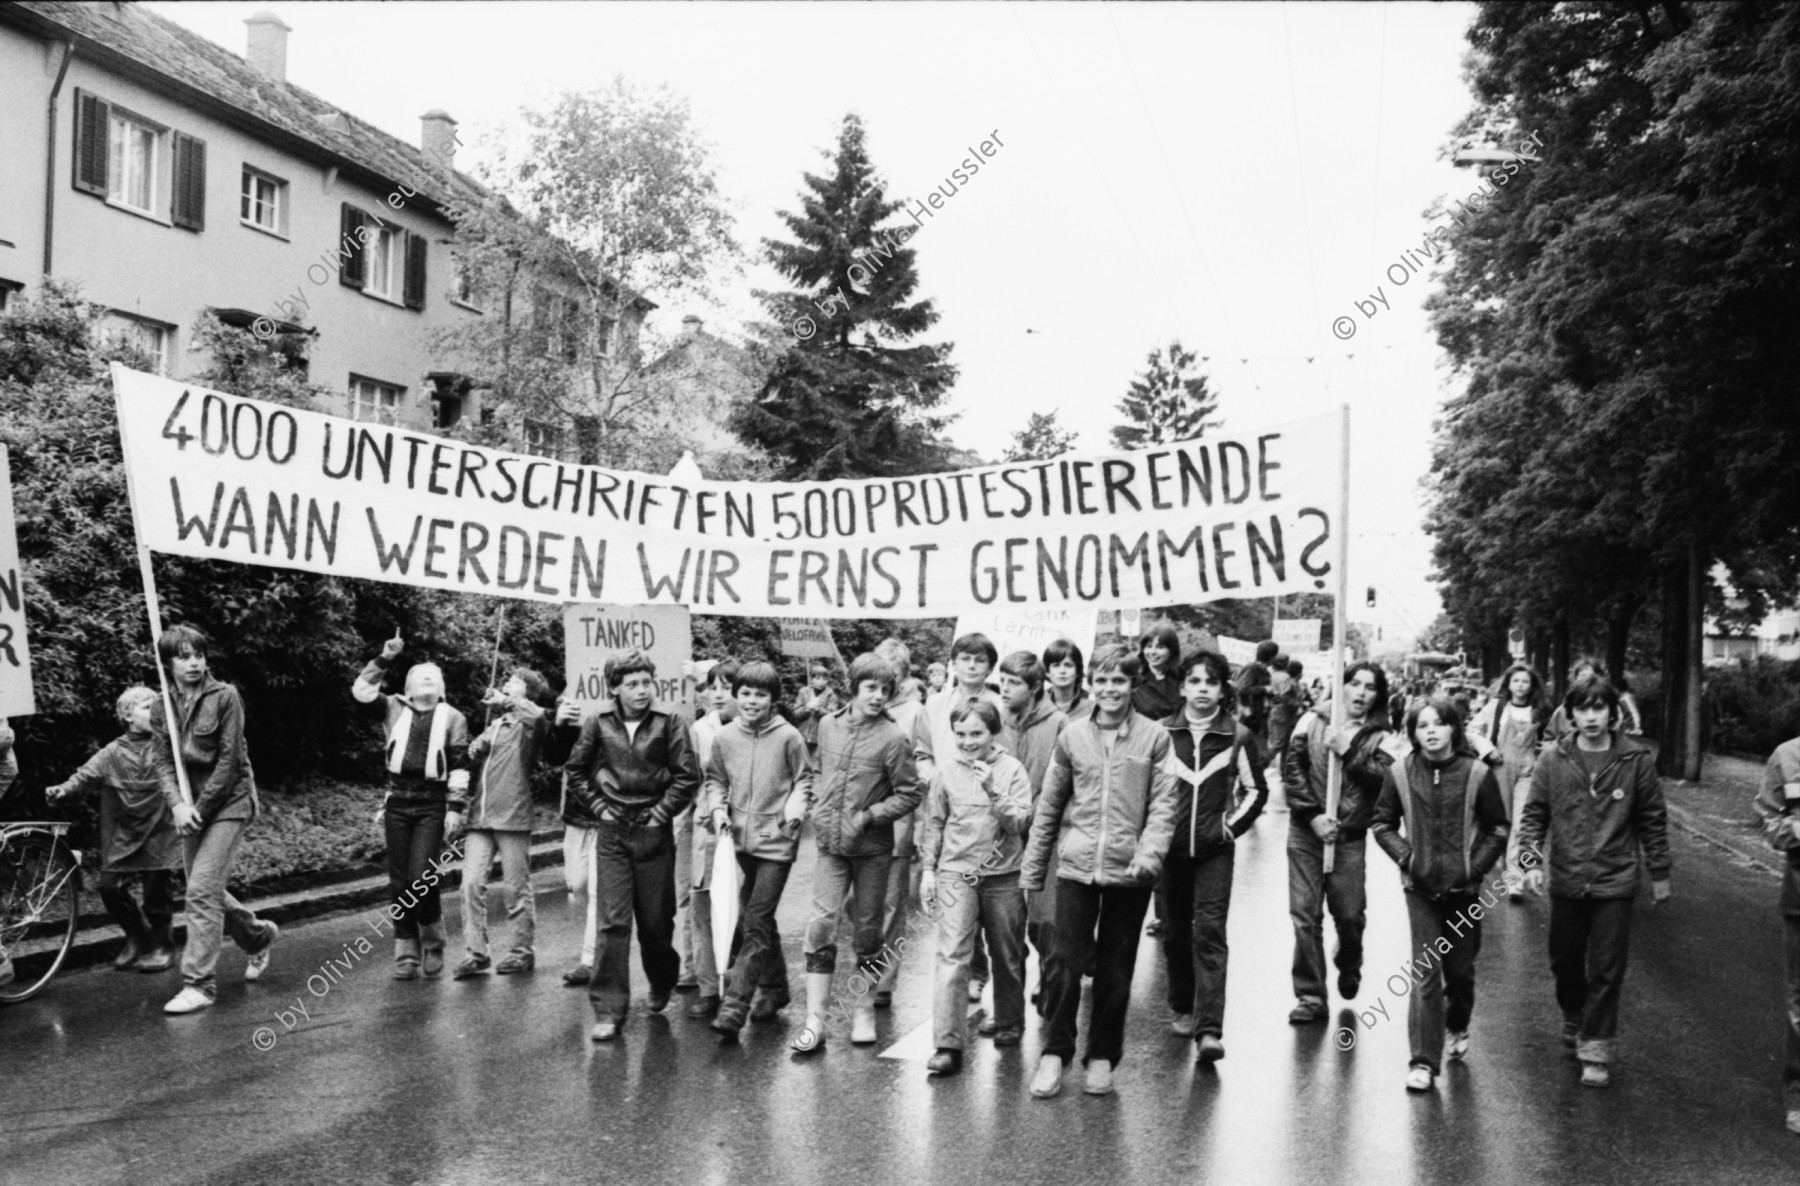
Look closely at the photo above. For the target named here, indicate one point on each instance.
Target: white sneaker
(1418, 1078)
(1099, 1077)
(1183, 1025)
(1456, 1044)
(862, 1025)
(258, 963)
(188, 1000)
(976, 988)
(1048, 1081)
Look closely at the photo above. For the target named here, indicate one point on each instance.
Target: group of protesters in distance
(1040, 806)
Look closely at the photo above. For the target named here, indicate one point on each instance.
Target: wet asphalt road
(494, 1080)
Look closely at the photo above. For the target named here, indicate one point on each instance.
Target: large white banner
(16, 697)
(226, 478)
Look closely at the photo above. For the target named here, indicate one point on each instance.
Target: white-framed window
(543, 439)
(381, 269)
(373, 400)
(134, 173)
(464, 290)
(155, 338)
(609, 328)
(262, 201)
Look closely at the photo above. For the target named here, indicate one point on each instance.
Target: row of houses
(171, 178)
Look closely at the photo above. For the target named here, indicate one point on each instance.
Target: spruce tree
(1164, 405)
(1042, 438)
(848, 396)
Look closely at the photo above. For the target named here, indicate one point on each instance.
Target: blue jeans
(521, 903)
(148, 926)
(1100, 925)
(994, 906)
(635, 871)
(212, 913)
(759, 961)
(1199, 895)
(1590, 940)
(863, 881)
(1310, 892)
(1443, 996)
(414, 826)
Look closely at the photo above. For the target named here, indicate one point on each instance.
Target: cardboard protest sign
(16, 698)
(1237, 652)
(1298, 636)
(592, 634)
(1032, 629)
(225, 478)
(809, 638)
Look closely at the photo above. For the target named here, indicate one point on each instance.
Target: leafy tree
(1164, 404)
(1042, 438)
(609, 194)
(847, 395)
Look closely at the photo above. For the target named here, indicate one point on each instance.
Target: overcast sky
(1232, 175)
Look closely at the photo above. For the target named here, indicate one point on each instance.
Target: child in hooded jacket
(138, 842)
(758, 784)
(498, 816)
(1442, 819)
(973, 828)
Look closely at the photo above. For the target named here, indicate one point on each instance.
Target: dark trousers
(759, 962)
(1790, 1075)
(415, 838)
(1199, 894)
(147, 927)
(1311, 892)
(634, 865)
(1099, 924)
(1443, 992)
(1590, 939)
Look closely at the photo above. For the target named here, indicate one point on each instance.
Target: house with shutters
(170, 178)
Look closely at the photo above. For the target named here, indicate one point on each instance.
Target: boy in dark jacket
(427, 748)
(633, 771)
(1596, 793)
(866, 780)
(1778, 804)
(1455, 824)
(1362, 746)
(1216, 759)
(1029, 728)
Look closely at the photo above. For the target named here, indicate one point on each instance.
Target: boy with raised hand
(865, 782)
(1108, 809)
(1778, 804)
(633, 769)
(1596, 795)
(427, 747)
(758, 784)
(972, 659)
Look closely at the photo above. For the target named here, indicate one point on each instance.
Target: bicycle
(40, 884)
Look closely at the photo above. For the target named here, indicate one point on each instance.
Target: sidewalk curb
(96, 945)
(1757, 857)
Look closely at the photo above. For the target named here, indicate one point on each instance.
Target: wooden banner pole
(1340, 630)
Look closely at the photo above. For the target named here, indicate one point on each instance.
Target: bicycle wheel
(39, 883)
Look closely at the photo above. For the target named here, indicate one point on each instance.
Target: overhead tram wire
(1175, 188)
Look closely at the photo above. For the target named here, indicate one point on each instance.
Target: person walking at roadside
(498, 819)
(972, 828)
(865, 781)
(1107, 810)
(1220, 792)
(905, 707)
(208, 735)
(1778, 806)
(427, 748)
(700, 843)
(1442, 819)
(138, 842)
(632, 769)
(1030, 725)
(758, 785)
(1514, 723)
(1362, 745)
(1596, 797)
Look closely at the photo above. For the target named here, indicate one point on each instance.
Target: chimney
(437, 136)
(691, 325)
(268, 45)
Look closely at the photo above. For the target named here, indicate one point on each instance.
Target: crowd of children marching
(1031, 803)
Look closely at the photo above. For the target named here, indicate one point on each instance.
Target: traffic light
(1371, 596)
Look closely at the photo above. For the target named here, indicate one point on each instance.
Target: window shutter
(190, 183)
(350, 247)
(414, 292)
(93, 116)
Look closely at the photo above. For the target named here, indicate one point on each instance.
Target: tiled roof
(164, 51)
